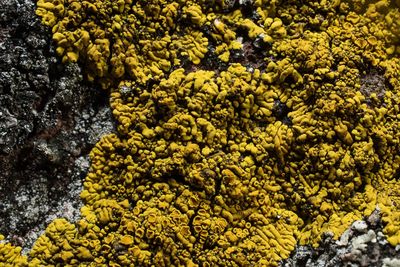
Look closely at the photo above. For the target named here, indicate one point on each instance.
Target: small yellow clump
(10, 256)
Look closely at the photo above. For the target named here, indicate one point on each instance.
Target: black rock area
(49, 121)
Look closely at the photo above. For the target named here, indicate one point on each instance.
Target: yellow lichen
(10, 255)
(242, 131)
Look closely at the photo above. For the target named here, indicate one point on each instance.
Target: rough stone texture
(363, 244)
(49, 121)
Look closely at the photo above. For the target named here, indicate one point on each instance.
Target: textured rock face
(363, 244)
(49, 121)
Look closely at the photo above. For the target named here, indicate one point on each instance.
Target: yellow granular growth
(244, 128)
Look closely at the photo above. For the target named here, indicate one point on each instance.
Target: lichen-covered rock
(231, 163)
(362, 244)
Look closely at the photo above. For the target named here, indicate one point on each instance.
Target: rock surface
(49, 121)
(363, 244)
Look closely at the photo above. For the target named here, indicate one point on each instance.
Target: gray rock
(49, 121)
(362, 244)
